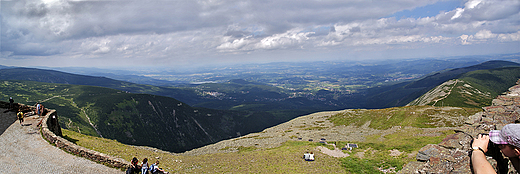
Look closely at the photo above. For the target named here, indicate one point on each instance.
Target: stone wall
(50, 129)
(452, 155)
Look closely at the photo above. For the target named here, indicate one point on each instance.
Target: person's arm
(478, 158)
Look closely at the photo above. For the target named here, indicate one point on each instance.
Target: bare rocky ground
(313, 127)
(23, 150)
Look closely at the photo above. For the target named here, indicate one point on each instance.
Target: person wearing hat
(507, 139)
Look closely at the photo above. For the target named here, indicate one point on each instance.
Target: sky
(181, 34)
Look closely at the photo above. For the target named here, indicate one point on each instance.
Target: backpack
(153, 168)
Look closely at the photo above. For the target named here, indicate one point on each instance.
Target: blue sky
(429, 10)
(181, 34)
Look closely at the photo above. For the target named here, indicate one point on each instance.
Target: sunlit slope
(472, 89)
(404, 93)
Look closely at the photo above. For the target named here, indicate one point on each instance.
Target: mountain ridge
(414, 89)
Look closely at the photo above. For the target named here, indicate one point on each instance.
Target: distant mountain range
(164, 117)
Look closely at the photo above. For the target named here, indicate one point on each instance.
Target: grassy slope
(415, 133)
(283, 159)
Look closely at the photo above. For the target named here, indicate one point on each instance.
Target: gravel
(23, 150)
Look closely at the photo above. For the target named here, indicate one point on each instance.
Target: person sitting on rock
(311, 157)
(155, 168)
(306, 156)
(134, 168)
(507, 139)
(144, 166)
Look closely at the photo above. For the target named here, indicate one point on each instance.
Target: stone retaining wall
(50, 127)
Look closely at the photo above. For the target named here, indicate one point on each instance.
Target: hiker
(42, 110)
(507, 139)
(134, 168)
(144, 166)
(38, 107)
(20, 116)
(155, 168)
(311, 157)
(11, 102)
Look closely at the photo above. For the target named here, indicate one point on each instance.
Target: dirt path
(449, 92)
(334, 153)
(23, 150)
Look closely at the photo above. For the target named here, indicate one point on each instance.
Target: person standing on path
(11, 102)
(20, 116)
(38, 109)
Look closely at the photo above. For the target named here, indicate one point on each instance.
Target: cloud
(486, 36)
(182, 31)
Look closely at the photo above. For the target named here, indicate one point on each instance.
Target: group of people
(21, 115)
(144, 168)
(308, 156)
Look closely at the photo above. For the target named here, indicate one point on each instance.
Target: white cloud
(183, 31)
(488, 36)
(234, 44)
(484, 34)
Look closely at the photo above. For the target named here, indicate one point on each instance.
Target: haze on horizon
(190, 34)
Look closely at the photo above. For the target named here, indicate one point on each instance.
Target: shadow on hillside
(6, 119)
(72, 140)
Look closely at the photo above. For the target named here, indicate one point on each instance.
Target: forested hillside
(139, 119)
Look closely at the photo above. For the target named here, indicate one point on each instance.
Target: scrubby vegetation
(415, 116)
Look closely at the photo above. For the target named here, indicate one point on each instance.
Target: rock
(454, 141)
(451, 155)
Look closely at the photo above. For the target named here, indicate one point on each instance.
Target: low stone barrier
(50, 127)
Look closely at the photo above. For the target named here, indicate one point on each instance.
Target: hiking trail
(25, 151)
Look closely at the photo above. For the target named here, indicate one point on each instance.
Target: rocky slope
(452, 154)
(456, 88)
(318, 127)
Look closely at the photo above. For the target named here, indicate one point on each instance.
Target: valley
(188, 122)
